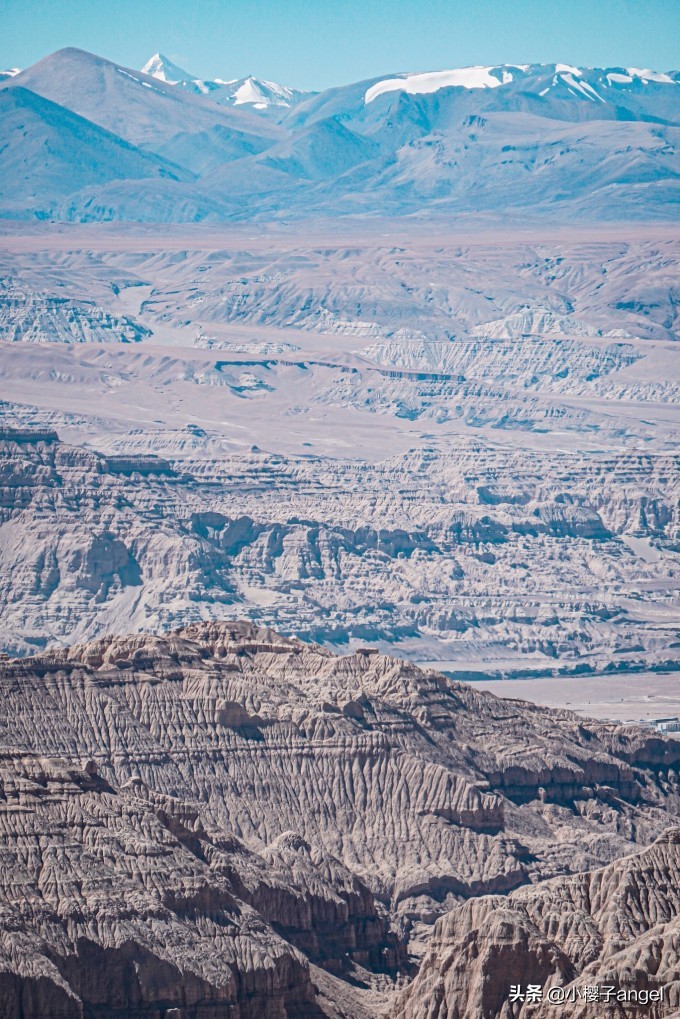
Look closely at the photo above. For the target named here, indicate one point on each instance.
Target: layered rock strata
(554, 562)
(605, 943)
(226, 822)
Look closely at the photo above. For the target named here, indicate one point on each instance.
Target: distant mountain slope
(502, 163)
(139, 108)
(323, 149)
(47, 153)
(555, 91)
(203, 151)
(594, 85)
(514, 165)
(253, 93)
(547, 140)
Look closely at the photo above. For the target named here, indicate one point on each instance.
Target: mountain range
(324, 418)
(249, 91)
(544, 140)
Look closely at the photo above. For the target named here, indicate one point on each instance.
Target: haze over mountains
(550, 140)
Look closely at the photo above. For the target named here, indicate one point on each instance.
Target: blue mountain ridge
(544, 140)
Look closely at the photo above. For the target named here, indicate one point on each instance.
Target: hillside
(550, 141)
(221, 818)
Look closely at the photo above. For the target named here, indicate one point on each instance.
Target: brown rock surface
(230, 823)
(618, 928)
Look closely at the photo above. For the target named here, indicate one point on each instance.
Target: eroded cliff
(226, 822)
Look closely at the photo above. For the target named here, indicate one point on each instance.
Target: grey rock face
(134, 542)
(614, 928)
(29, 317)
(462, 445)
(209, 819)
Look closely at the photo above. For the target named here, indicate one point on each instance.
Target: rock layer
(617, 928)
(473, 548)
(205, 821)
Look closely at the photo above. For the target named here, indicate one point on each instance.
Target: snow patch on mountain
(647, 75)
(581, 86)
(422, 84)
(575, 79)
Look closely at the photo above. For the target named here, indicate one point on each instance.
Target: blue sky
(315, 44)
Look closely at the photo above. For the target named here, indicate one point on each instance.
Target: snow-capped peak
(10, 72)
(257, 93)
(568, 69)
(261, 94)
(164, 69)
(648, 75)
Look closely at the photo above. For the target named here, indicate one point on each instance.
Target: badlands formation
(299, 391)
(456, 448)
(460, 447)
(230, 824)
(610, 930)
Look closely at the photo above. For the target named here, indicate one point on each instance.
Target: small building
(667, 724)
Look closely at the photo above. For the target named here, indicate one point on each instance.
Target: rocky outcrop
(113, 907)
(209, 819)
(531, 556)
(604, 943)
(30, 317)
(468, 439)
